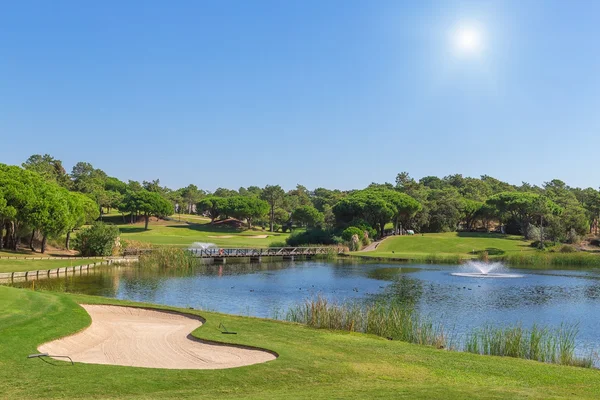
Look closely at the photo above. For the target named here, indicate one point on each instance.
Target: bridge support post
(220, 260)
(255, 259)
(288, 258)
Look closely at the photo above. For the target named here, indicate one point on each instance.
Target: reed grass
(579, 259)
(168, 257)
(442, 259)
(537, 343)
(400, 322)
(390, 320)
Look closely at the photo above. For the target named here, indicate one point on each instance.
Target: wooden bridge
(285, 252)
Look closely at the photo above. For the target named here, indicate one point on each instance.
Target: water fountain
(202, 246)
(480, 269)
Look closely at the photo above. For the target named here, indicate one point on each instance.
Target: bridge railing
(265, 252)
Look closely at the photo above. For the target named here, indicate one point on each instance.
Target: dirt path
(374, 245)
(138, 337)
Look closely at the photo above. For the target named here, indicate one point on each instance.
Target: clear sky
(333, 93)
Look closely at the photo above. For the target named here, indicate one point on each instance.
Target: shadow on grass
(492, 251)
(132, 229)
(491, 235)
(208, 228)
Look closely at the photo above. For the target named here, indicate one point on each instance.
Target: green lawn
(183, 234)
(452, 243)
(33, 265)
(315, 364)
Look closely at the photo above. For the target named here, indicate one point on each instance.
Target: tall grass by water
(537, 343)
(540, 258)
(390, 320)
(400, 322)
(168, 257)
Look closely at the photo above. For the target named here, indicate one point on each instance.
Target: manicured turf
(453, 243)
(7, 265)
(182, 234)
(313, 364)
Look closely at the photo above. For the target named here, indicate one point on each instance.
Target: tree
(148, 204)
(404, 206)
(49, 168)
(87, 179)
(325, 198)
(273, 195)
(367, 205)
(222, 192)
(308, 216)
(522, 207)
(211, 206)
(82, 210)
(444, 209)
(515, 206)
(190, 196)
(245, 208)
(541, 207)
(470, 209)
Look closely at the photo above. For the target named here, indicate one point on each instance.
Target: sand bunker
(221, 237)
(139, 337)
(257, 237)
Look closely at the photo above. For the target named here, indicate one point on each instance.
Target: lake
(547, 297)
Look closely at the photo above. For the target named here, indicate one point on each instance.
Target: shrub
(365, 227)
(97, 240)
(278, 244)
(573, 237)
(547, 244)
(337, 240)
(348, 233)
(354, 244)
(565, 248)
(532, 232)
(310, 236)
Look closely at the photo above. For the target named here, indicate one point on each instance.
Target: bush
(351, 231)
(532, 232)
(573, 237)
(565, 248)
(365, 227)
(337, 240)
(278, 244)
(310, 236)
(547, 244)
(97, 240)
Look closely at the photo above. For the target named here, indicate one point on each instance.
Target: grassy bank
(11, 265)
(461, 244)
(181, 234)
(316, 364)
(457, 247)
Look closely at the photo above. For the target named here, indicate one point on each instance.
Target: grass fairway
(33, 265)
(173, 233)
(315, 364)
(461, 244)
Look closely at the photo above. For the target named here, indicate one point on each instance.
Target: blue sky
(323, 93)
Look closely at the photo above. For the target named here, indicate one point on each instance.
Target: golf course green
(316, 364)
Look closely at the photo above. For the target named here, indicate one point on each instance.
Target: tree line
(40, 197)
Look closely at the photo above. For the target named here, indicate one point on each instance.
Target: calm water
(268, 289)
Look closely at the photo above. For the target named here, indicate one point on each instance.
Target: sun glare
(467, 40)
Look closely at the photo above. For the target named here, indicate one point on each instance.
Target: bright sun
(467, 40)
